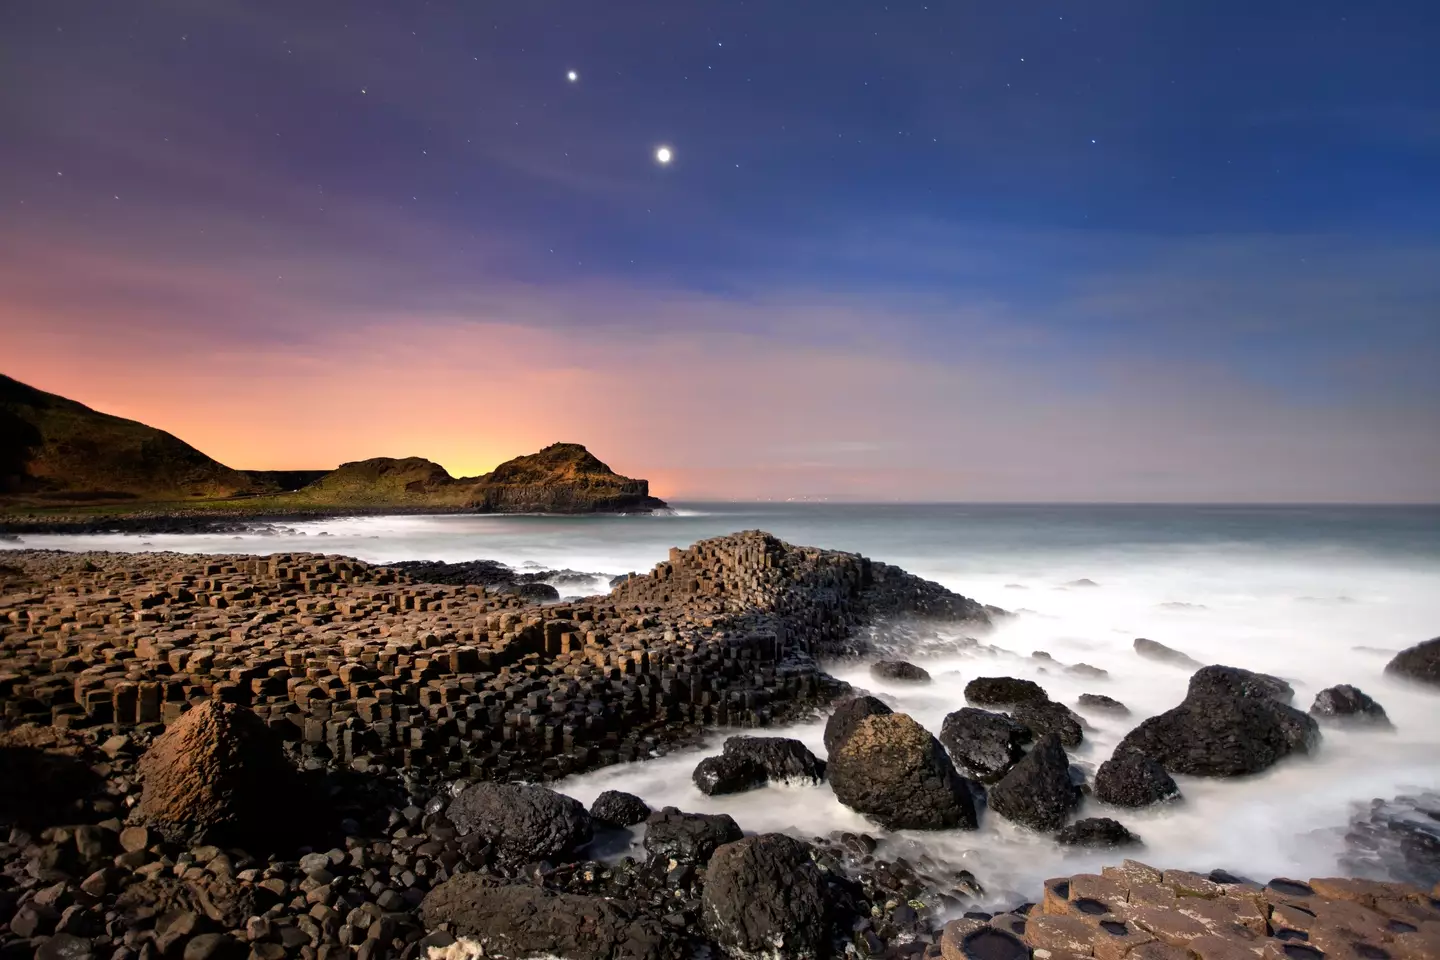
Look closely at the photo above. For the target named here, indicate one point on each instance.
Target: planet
(663, 155)
(572, 76)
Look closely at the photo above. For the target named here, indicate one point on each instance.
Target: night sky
(1031, 250)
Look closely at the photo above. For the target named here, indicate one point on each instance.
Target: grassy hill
(61, 461)
(56, 450)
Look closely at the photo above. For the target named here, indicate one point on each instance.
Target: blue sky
(1237, 203)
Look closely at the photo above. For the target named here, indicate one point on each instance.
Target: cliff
(57, 450)
(562, 478)
(57, 454)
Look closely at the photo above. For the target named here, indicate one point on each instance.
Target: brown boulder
(220, 771)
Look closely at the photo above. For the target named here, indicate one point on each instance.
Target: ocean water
(1317, 595)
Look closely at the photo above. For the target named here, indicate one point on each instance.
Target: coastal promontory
(64, 465)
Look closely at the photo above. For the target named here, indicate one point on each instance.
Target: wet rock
(523, 920)
(983, 745)
(1131, 779)
(1003, 691)
(217, 769)
(1154, 650)
(619, 809)
(1420, 663)
(688, 837)
(847, 715)
(524, 823)
(1047, 716)
(1223, 736)
(1102, 703)
(892, 770)
(783, 759)
(764, 896)
(1235, 682)
(1348, 705)
(1097, 832)
(1038, 792)
(898, 670)
(1396, 839)
(973, 940)
(728, 773)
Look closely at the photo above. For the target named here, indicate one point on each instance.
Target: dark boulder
(728, 773)
(216, 771)
(688, 837)
(1420, 663)
(1235, 682)
(1350, 706)
(892, 770)
(1038, 793)
(784, 760)
(619, 809)
(1003, 691)
(1152, 650)
(1220, 736)
(898, 670)
(1099, 832)
(524, 920)
(847, 715)
(983, 745)
(764, 896)
(524, 823)
(1131, 779)
(1100, 702)
(1046, 716)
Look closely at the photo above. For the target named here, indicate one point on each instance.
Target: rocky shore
(306, 755)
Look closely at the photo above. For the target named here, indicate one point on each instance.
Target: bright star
(663, 155)
(572, 76)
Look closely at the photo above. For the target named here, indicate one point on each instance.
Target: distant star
(663, 155)
(572, 76)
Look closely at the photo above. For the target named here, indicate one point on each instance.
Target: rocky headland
(306, 755)
(67, 468)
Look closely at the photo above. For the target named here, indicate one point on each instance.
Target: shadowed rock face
(1218, 736)
(1131, 779)
(982, 744)
(217, 770)
(562, 478)
(764, 896)
(524, 823)
(1420, 663)
(523, 920)
(892, 770)
(1349, 706)
(54, 447)
(1038, 792)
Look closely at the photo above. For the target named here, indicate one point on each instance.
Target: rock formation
(688, 837)
(764, 896)
(217, 770)
(847, 716)
(982, 744)
(1349, 706)
(522, 920)
(54, 450)
(522, 823)
(1420, 663)
(892, 770)
(616, 808)
(1038, 791)
(1232, 722)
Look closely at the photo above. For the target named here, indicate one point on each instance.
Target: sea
(1318, 595)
